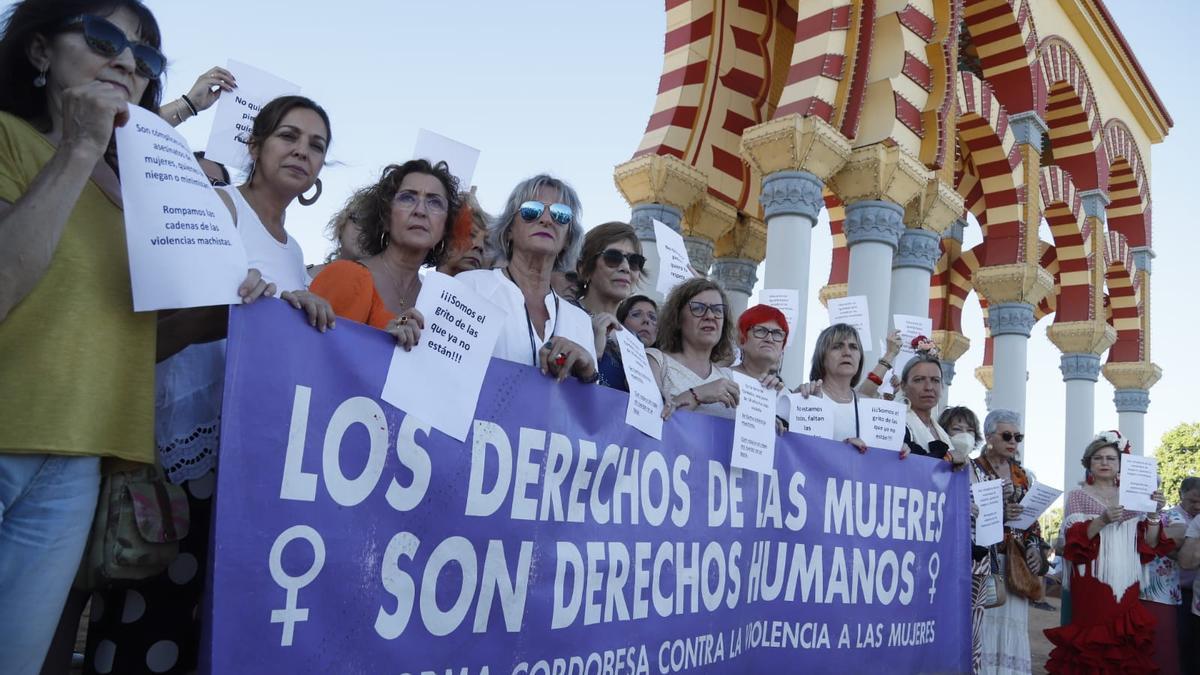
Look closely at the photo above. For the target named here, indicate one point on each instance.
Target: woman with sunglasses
(610, 267)
(68, 72)
(404, 218)
(1106, 545)
(639, 314)
(696, 334)
(536, 235)
(1005, 629)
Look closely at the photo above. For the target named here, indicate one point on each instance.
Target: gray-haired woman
(538, 233)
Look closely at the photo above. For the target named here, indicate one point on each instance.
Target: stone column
(1080, 373)
(791, 202)
(873, 230)
(1132, 405)
(738, 276)
(700, 252)
(912, 269)
(1011, 325)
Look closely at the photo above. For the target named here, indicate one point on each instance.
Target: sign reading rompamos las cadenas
(351, 537)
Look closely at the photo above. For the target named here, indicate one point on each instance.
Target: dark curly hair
(47, 18)
(376, 210)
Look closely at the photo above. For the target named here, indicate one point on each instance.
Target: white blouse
(515, 342)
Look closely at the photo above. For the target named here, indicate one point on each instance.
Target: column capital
(1094, 202)
(641, 217)
(871, 220)
(710, 217)
(947, 373)
(795, 143)
(1080, 367)
(986, 377)
(737, 275)
(935, 208)
(918, 248)
(956, 230)
(700, 252)
(792, 193)
(660, 179)
(1018, 282)
(1029, 128)
(747, 239)
(1132, 375)
(1082, 337)
(1011, 318)
(1132, 400)
(831, 291)
(951, 344)
(1142, 255)
(880, 172)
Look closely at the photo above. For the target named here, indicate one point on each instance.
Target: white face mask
(963, 442)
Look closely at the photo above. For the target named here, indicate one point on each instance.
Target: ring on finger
(560, 359)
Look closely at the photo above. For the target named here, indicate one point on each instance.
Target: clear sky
(567, 87)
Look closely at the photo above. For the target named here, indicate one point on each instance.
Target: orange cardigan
(349, 287)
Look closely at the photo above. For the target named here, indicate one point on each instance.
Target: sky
(567, 87)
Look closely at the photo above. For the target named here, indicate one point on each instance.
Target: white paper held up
(812, 416)
(439, 380)
(787, 301)
(989, 524)
(236, 110)
(882, 422)
(673, 263)
(644, 409)
(184, 250)
(460, 157)
(1036, 501)
(853, 311)
(754, 426)
(1139, 480)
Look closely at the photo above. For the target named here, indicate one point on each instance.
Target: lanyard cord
(529, 319)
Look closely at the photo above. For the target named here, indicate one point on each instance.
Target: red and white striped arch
(1006, 40)
(1128, 185)
(1124, 300)
(1064, 214)
(984, 133)
(1072, 115)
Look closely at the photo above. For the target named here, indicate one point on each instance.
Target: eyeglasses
(612, 257)
(1009, 436)
(559, 213)
(762, 333)
(699, 309)
(640, 313)
(408, 199)
(107, 40)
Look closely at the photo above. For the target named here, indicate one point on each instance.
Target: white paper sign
(644, 410)
(852, 310)
(1036, 501)
(1139, 479)
(673, 264)
(989, 524)
(786, 300)
(439, 380)
(184, 250)
(882, 423)
(910, 327)
(236, 110)
(754, 426)
(461, 158)
(812, 416)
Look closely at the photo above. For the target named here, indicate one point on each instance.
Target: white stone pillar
(873, 230)
(1132, 405)
(912, 269)
(947, 380)
(1080, 373)
(791, 202)
(641, 218)
(1011, 324)
(738, 276)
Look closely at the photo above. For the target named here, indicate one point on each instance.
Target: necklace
(529, 319)
(400, 295)
(835, 399)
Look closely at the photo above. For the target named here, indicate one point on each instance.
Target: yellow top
(76, 363)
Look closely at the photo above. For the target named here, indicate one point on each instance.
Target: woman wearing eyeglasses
(639, 314)
(404, 218)
(610, 267)
(1004, 631)
(696, 334)
(1106, 545)
(762, 333)
(68, 72)
(536, 235)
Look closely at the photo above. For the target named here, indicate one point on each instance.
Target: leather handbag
(1020, 580)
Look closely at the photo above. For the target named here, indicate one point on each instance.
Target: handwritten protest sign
(555, 536)
(237, 109)
(438, 381)
(644, 410)
(673, 265)
(184, 250)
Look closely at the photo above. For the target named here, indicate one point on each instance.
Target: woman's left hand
(771, 381)
(561, 357)
(602, 323)
(407, 327)
(893, 345)
(1013, 511)
(319, 311)
(202, 93)
(1033, 558)
(957, 459)
(1159, 500)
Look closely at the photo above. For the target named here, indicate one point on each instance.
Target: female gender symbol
(935, 567)
(290, 615)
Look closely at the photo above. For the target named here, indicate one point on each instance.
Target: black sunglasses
(109, 41)
(612, 257)
(1008, 436)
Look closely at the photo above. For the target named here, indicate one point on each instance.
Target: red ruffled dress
(1110, 630)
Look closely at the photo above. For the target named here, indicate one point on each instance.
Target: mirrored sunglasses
(559, 213)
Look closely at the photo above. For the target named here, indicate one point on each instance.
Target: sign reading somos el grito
(351, 538)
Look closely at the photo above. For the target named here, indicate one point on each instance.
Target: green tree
(1178, 457)
(1050, 521)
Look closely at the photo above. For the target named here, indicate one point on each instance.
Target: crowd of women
(101, 406)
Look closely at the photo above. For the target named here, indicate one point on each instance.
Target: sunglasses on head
(699, 309)
(612, 257)
(1009, 437)
(559, 213)
(107, 40)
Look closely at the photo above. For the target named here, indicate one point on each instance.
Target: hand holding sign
(754, 426)
(236, 113)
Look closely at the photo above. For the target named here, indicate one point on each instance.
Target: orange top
(349, 287)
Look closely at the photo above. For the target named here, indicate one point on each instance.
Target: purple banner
(351, 538)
